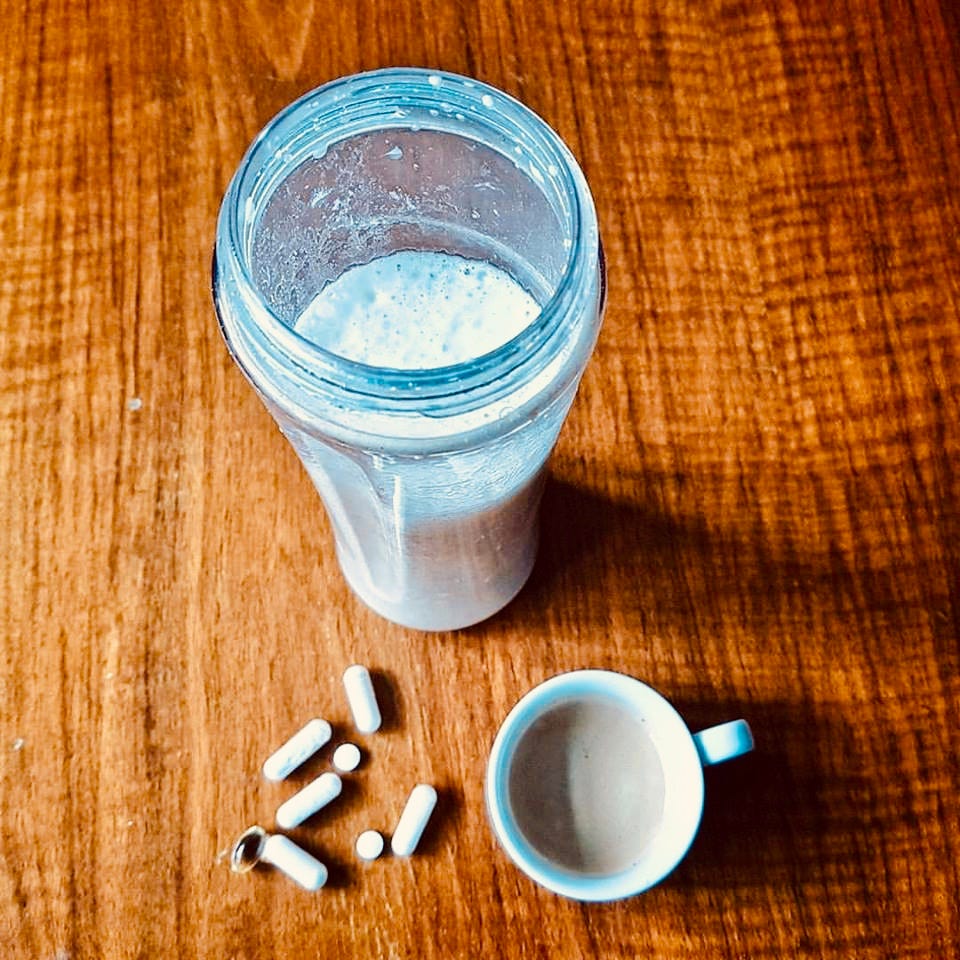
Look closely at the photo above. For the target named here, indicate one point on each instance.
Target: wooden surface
(755, 502)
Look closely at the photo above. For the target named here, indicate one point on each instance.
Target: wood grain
(754, 507)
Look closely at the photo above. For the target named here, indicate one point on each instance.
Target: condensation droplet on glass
(487, 100)
(434, 80)
(474, 214)
(460, 117)
(553, 169)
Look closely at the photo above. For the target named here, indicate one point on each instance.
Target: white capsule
(413, 820)
(346, 758)
(306, 802)
(298, 749)
(362, 698)
(369, 845)
(294, 861)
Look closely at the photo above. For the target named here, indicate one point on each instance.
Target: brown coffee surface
(586, 786)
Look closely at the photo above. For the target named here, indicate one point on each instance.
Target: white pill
(413, 820)
(346, 758)
(369, 845)
(313, 797)
(294, 861)
(298, 749)
(362, 698)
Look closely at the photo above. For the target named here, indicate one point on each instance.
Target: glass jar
(431, 471)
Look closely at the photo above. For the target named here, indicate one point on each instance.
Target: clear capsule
(245, 853)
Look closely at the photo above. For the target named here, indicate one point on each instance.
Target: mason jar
(408, 271)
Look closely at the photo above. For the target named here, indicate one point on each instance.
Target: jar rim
(418, 86)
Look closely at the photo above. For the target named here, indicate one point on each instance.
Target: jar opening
(395, 169)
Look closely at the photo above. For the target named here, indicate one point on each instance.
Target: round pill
(369, 845)
(346, 758)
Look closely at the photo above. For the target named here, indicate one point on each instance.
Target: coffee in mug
(595, 785)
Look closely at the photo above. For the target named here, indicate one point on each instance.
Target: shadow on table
(674, 572)
(800, 810)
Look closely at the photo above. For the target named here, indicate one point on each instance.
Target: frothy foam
(417, 310)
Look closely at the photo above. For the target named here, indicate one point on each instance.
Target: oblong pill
(294, 861)
(362, 698)
(413, 820)
(306, 802)
(297, 750)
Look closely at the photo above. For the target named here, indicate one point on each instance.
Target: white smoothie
(417, 310)
(434, 542)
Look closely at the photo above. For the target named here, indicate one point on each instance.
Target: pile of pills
(255, 845)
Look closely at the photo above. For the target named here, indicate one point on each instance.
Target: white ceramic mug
(595, 784)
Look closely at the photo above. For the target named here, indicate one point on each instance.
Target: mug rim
(683, 776)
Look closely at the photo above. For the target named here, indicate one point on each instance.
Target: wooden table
(755, 503)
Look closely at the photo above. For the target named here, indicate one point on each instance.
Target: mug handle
(723, 742)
